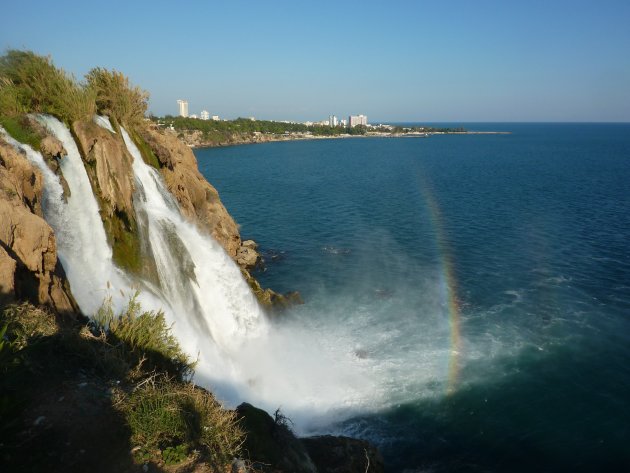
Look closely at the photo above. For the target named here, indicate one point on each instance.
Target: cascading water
(81, 239)
(217, 319)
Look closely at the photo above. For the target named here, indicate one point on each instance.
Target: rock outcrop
(270, 443)
(198, 200)
(247, 255)
(29, 268)
(109, 167)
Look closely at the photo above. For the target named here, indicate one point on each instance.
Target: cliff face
(109, 167)
(29, 268)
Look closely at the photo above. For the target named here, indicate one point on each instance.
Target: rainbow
(448, 283)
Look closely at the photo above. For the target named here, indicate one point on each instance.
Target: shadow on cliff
(57, 398)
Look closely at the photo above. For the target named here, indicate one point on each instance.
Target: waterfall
(240, 355)
(81, 240)
(196, 275)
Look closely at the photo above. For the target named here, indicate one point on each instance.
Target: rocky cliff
(109, 168)
(29, 268)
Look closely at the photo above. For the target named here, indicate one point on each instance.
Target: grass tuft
(173, 419)
(143, 339)
(19, 128)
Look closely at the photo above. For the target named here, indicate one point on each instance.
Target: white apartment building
(183, 108)
(332, 120)
(355, 120)
(205, 115)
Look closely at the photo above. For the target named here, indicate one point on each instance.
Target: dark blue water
(536, 227)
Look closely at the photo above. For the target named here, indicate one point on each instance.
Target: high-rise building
(183, 108)
(205, 115)
(355, 120)
(332, 120)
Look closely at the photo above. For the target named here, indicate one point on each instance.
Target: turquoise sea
(482, 280)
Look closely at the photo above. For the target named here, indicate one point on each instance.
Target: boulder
(110, 170)
(270, 442)
(250, 244)
(51, 148)
(247, 257)
(269, 298)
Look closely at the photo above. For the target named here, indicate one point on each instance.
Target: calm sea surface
(482, 280)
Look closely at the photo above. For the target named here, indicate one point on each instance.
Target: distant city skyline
(458, 61)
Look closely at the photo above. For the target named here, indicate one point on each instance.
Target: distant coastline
(196, 139)
(205, 133)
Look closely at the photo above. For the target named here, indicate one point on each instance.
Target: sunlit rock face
(29, 268)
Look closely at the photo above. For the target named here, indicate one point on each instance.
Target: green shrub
(26, 324)
(10, 104)
(142, 338)
(34, 84)
(175, 455)
(116, 97)
(18, 127)
(175, 418)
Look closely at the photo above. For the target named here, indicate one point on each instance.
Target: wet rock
(111, 173)
(343, 455)
(51, 148)
(270, 442)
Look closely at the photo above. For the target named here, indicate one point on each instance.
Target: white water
(103, 121)
(309, 370)
(216, 318)
(241, 357)
(81, 240)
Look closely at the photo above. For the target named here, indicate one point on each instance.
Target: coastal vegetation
(30, 83)
(116, 97)
(244, 130)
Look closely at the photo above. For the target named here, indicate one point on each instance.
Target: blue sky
(392, 60)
